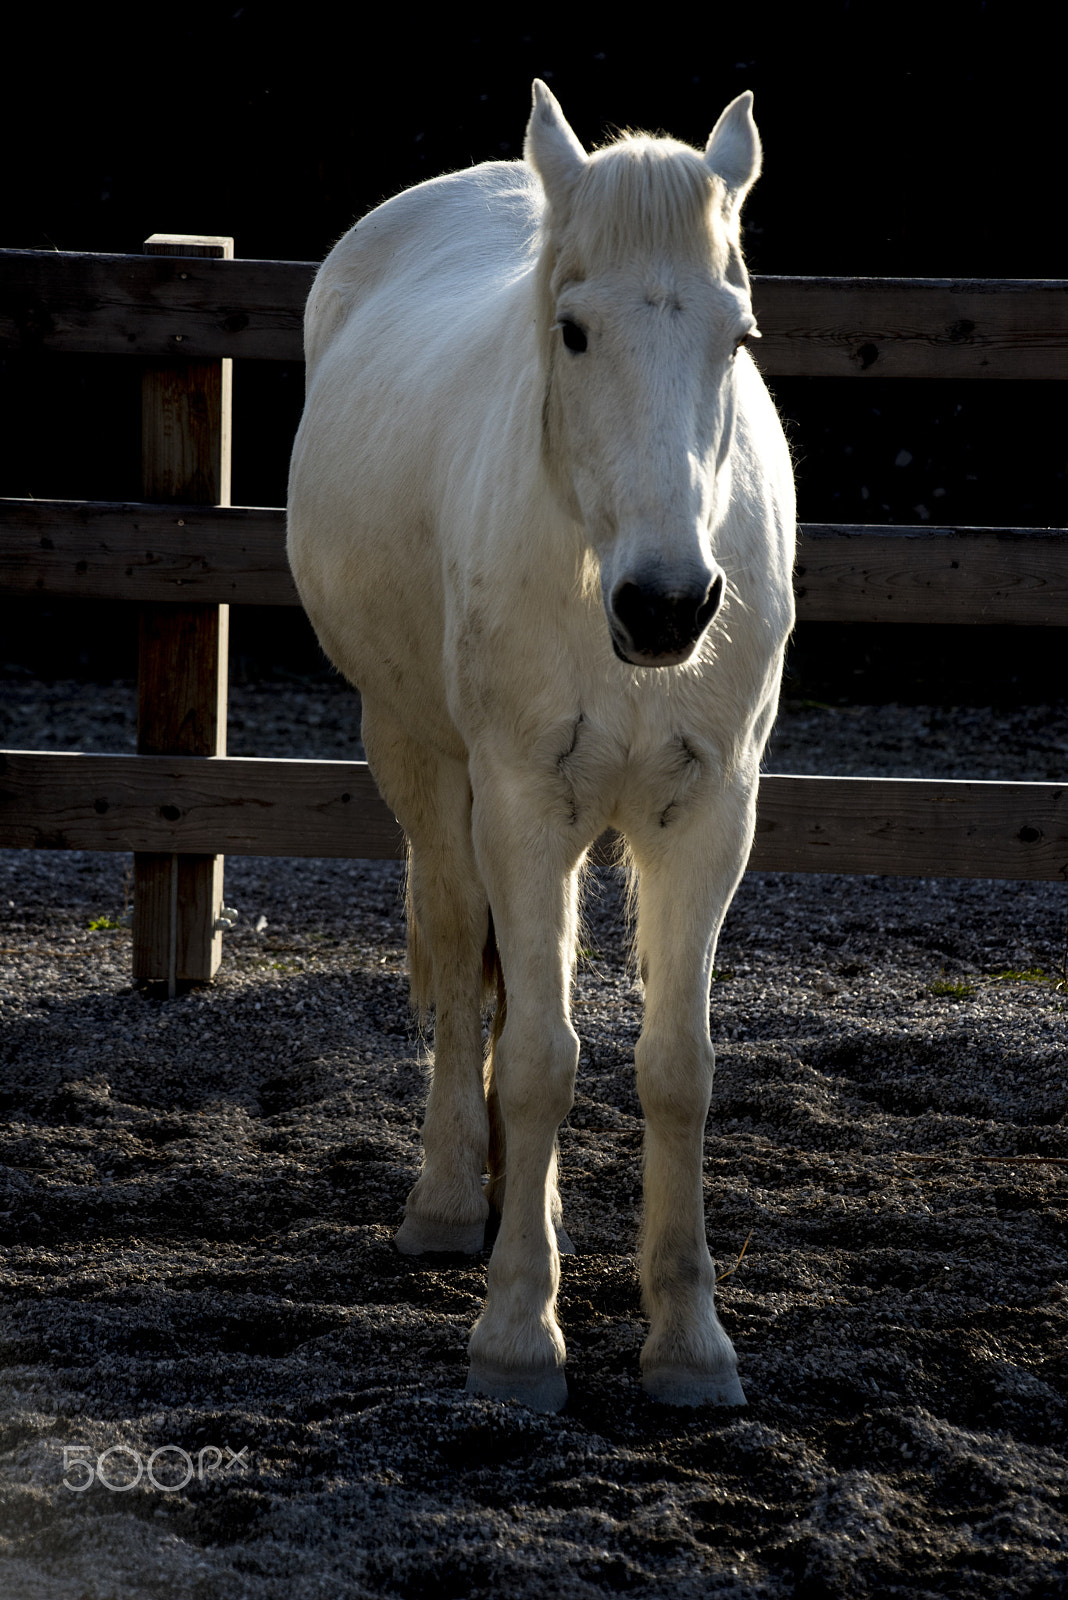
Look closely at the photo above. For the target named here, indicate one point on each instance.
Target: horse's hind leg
(448, 923)
(688, 873)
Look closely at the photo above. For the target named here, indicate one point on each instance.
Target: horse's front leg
(529, 866)
(688, 873)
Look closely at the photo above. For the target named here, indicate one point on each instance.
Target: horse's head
(645, 303)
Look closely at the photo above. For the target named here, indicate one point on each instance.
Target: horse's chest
(615, 777)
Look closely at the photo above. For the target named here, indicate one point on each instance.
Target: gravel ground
(199, 1197)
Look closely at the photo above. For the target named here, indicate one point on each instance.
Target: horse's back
(451, 237)
(401, 353)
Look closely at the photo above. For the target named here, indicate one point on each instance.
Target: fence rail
(236, 554)
(241, 805)
(186, 309)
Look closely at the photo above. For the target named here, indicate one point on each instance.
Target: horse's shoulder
(480, 216)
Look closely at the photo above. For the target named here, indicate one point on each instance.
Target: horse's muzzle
(653, 625)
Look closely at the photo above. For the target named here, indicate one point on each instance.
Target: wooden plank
(905, 827)
(182, 660)
(852, 573)
(812, 327)
(936, 575)
(911, 327)
(234, 805)
(912, 827)
(127, 550)
(169, 305)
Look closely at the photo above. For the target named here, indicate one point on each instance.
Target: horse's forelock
(648, 195)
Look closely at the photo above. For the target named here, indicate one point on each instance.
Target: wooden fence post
(182, 667)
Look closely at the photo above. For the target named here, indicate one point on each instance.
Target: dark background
(899, 140)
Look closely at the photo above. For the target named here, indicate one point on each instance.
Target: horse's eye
(574, 337)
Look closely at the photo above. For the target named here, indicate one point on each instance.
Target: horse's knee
(535, 1072)
(674, 1080)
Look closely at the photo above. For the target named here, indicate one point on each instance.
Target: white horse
(541, 512)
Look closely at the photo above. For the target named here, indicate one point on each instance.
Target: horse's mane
(641, 193)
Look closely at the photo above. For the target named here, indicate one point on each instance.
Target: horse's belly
(372, 593)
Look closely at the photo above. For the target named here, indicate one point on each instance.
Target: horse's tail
(493, 990)
(421, 967)
(420, 960)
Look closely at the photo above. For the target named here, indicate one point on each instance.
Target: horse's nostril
(631, 607)
(712, 602)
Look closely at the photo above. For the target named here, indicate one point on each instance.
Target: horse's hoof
(417, 1236)
(685, 1386)
(543, 1390)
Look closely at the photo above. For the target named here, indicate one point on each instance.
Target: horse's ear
(551, 148)
(733, 149)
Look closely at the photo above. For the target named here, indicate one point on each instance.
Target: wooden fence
(186, 309)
